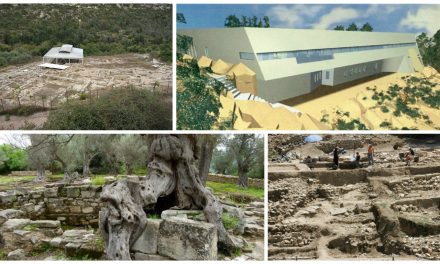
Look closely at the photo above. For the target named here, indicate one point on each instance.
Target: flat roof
(286, 39)
(53, 66)
(60, 53)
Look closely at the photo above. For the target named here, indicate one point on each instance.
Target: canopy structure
(53, 66)
(64, 54)
(245, 78)
(204, 62)
(220, 67)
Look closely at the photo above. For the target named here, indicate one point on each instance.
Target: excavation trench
(361, 213)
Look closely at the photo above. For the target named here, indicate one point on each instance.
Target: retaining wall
(257, 183)
(70, 204)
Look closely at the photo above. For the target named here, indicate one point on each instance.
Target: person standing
(370, 155)
(358, 160)
(336, 157)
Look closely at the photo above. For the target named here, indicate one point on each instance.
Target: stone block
(75, 209)
(147, 242)
(13, 224)
(46, 223)
(7, 198)
(36, 194)
(87, 210)
(142, 256)
(87, 194)
(11, 213)
(17, 254)
(51, 192)
(184, 239)
(185, 214)
(254, 230)
(73, 192)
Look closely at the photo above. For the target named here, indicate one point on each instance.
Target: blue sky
(384, 18)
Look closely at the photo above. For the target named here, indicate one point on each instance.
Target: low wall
(27, 173)
(257, 183)
(341, 177)
(70, 204)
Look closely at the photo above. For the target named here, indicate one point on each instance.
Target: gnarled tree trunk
(41, 174)
(172, 168)
(207, 146)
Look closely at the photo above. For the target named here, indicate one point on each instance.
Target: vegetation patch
(227, 188)
(229, 222)
(98, 180)
(127, 108)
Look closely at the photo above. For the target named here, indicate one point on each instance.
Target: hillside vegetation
(30, 30)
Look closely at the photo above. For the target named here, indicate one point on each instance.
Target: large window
(304, 56)
(247, 56)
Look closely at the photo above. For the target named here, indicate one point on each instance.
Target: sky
(384, 18)
(18, 140)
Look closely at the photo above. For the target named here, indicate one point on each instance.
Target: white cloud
(426, 18)
(293, 15)
(336, 15)
(376, 9)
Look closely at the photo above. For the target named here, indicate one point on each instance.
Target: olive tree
(172, 169)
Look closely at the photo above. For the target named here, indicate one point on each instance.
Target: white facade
(293, 62)
(66, 53)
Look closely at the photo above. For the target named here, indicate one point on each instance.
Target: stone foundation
(70, 204)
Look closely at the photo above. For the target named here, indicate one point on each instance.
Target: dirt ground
(383, 211)
(45, 88)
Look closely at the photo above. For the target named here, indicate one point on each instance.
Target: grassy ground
(228, 188)
(13, 180)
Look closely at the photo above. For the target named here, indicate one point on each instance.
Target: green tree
(198, 100)
(39, 155)
(266, 22)
(180, 18)
(339, 27)
(352, 27)
(366, 27)
(15, 158)
(243, 148)
(232, 21)
(132, 151)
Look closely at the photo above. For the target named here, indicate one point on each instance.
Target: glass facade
(247, 56)
(304, 56)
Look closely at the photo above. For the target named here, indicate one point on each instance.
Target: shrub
(229, 221)
(98, 180)
(120, 109)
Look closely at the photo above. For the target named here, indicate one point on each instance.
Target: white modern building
(64, 54)
(294, 62)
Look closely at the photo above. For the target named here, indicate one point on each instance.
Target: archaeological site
(130, 197)
(86, 67)
(357, 196)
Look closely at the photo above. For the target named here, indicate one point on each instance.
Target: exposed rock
(46, 223)
(254, 230)
(147, 242)
(17, 254)
(142, 256)
(185, 239)
(13, 224)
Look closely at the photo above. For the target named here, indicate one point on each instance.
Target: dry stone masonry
(383, 211)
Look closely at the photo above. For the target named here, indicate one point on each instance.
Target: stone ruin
(62, 217)
(387, 211)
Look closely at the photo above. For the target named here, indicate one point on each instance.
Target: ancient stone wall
(257, 183)
(70, 204)
(27, 173)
